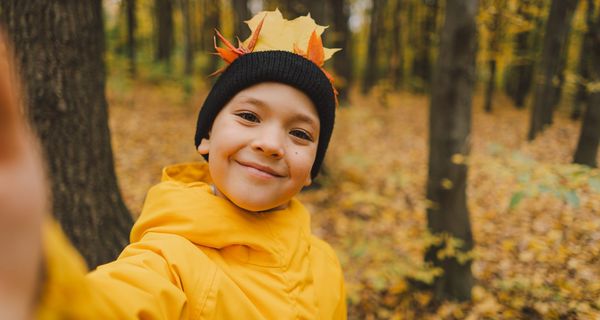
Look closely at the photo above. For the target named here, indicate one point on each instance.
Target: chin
(254, 206)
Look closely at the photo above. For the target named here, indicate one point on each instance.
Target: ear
(204, 146)
(308, 181)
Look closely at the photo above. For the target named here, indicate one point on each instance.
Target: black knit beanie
(275, 66)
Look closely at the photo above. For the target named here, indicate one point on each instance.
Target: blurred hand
(23, 200)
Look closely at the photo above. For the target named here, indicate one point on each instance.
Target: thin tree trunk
(270, 5)
(587, 146)
(342, 38)
(583, 67)
(188, 49)
(524, 69)
(60, 46)
(557, 85)
(317, 10)
(557, 28)
(241, 14)
(422, 70)
(370, 76)
(397, 59)
(491, 85)
(131, 26)
(449, 130)
(494, 44)
(163, 10)
(521, 72)
(210, 22)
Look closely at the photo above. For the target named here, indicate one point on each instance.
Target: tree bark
(421, 66)
(341, 37)
(60, 46)
(163, 11)
(131, 26)
(587, 146)
(188, 48)
(491, 85)
(581, 95)
(397, 60)
(557, 29)
(494, 48)
(558, 84)
(449, 129)
(370, 75)
(241, 14)
(318, 10)
(211, 21)
(520, 74)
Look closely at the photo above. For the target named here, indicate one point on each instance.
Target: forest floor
(535, 216)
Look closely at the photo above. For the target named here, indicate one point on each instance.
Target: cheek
(225, 142)
(303, 161)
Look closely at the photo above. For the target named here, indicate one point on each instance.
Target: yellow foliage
(447, 184)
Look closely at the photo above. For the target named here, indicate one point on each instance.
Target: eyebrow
(260, 103)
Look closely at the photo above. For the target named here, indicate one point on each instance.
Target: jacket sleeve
(64, 293)
(341, 311)
(139, 285)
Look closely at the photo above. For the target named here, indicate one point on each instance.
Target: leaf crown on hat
(270, 31)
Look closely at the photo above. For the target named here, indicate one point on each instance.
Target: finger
(12, 126)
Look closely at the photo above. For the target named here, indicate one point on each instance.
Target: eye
(301, 134)
(248, 116)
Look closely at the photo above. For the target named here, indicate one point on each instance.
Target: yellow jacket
(196, 256)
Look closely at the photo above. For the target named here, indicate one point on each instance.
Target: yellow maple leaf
(278, 33)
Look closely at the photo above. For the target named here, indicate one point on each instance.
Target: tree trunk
(210, 22)
(370, 75)
(131, 25)
(491, 84)
(587, 146)
(163, 10)
(241, 14)
(557, 85)
(557, 28)
(520, 74)
(270, 5)
(341, 37)
(449, 129)
(293, 8)
(397, 60)
(424, 47)
(188, 48)
(494, 48)
(523, 69)
(583, 67)
(318, 10)
(59, 46)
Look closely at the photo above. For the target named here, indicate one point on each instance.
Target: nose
(270, 142)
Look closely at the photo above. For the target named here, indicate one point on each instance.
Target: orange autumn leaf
(254, 38)
(315, 50)
(230, 52)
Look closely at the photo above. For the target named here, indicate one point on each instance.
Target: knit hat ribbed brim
(276, 66)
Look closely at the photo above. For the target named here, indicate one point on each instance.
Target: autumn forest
(461, 181)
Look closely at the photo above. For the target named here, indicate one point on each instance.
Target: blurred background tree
(64, 76)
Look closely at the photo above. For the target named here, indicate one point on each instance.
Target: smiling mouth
(260, 169)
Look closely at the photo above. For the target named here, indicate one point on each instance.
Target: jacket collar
(184, 204)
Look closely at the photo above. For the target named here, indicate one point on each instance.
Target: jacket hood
(183, 204)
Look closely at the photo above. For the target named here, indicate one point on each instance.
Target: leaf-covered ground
(535, 217)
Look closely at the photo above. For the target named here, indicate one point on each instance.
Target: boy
(226, 239)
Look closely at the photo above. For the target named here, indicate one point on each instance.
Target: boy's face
(262, 146)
